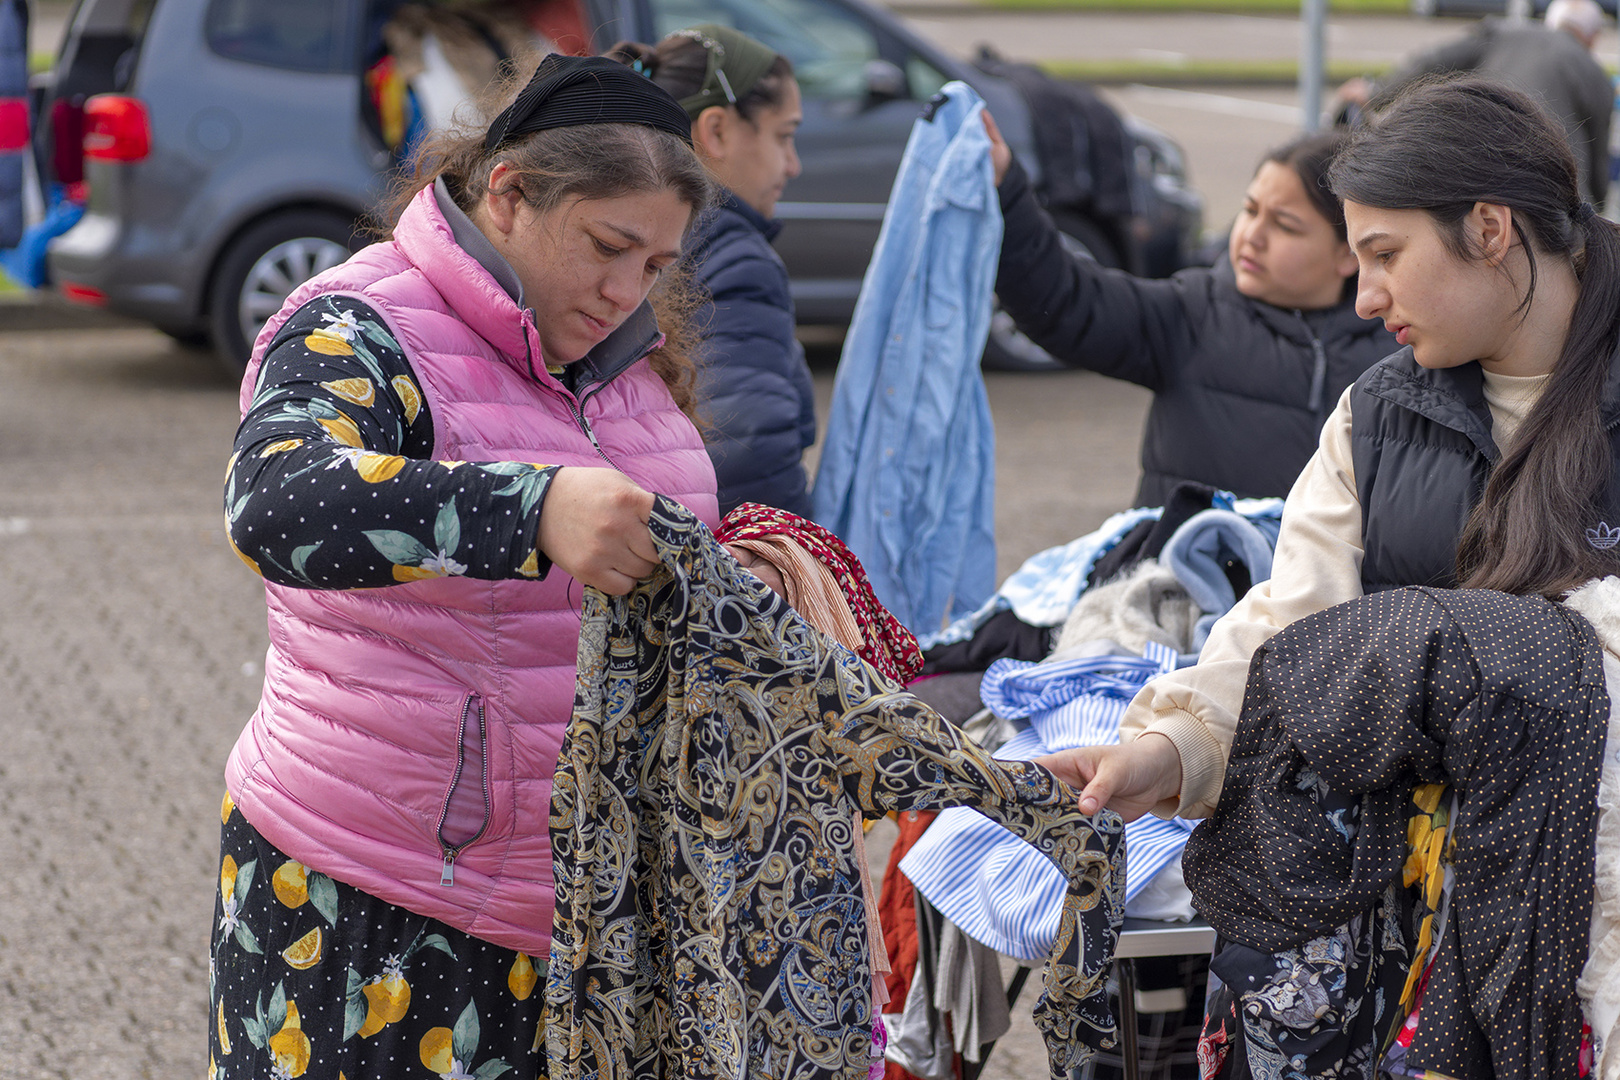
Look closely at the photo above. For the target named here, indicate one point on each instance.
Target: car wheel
(1006, 349)
(263, 266)
(191, 339)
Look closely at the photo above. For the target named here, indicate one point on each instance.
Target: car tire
(190, 339)
(1006, 349)
(262, 266)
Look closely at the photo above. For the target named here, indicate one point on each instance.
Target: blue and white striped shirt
(992, 885)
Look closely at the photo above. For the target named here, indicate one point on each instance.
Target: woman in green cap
(756, 389)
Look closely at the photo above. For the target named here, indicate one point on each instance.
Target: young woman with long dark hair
(1481, 454)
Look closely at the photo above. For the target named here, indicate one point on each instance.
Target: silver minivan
(230, 150)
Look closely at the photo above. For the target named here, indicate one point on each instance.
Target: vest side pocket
(465, 813)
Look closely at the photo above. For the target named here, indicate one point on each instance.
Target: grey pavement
(131, 652)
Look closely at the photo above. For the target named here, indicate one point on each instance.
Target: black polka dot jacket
(1500, 697)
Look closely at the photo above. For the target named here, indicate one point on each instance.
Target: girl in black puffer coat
(1245, 359)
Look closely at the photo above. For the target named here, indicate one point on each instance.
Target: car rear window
(300, 35)
(99, 51)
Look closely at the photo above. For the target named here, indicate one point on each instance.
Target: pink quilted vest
(407, 736)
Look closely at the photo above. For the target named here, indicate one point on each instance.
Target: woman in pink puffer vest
(441, 439)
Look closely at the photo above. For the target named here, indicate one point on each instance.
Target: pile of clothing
(1112, 610)
(1049, 663)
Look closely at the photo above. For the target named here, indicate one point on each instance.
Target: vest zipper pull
(590, 433)
(1318, 366)
(1318, 374)
(447, 877)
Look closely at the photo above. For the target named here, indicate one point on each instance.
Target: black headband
(568, 91)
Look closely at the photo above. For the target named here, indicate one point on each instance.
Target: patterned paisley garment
(709, 916)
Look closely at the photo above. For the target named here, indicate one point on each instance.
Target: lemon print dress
(309, 976)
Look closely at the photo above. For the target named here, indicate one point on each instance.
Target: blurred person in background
(1245, 359)
(1553, 63)
(755, 386)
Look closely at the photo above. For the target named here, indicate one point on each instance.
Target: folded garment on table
(987, 881)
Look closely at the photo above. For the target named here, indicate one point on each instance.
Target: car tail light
(116, 128)
(13, 124)
(83, 294)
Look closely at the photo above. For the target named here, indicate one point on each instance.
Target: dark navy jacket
(1241, 387)
(757, 395)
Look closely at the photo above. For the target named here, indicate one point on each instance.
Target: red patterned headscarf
(890, 647)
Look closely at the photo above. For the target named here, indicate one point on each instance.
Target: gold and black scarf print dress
(709, 916)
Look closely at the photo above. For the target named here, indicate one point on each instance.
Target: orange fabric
(563, 22)
(891, 1071)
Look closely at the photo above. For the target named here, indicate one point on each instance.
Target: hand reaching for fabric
(594, 525)
(1000, 152)
(760, 567)
(1130, 779)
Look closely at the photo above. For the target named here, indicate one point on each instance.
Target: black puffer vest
(1421, 445)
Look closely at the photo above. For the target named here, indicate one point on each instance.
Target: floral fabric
(313, 978)
(338, 416)
(1326, 1008)
(709, 918)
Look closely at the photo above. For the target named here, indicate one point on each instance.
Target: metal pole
(1518, 11)
(1312, 71)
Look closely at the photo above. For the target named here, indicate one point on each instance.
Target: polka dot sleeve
(332, 486)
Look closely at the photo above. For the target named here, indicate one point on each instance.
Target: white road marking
(1217, 103)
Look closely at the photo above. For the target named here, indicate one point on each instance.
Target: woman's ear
(502, 199)
(1344, 260)
(1492, 224)
(711, 131)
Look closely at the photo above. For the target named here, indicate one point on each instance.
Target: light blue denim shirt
(907, 473)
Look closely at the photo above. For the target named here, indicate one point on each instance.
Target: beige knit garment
(1599, 987)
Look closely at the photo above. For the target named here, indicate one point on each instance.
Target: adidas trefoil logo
(1603, 537)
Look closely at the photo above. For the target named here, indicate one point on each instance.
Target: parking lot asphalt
(131, 653)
